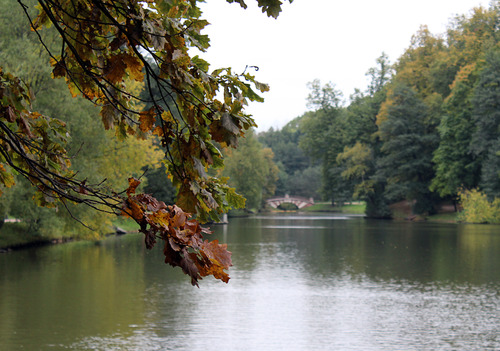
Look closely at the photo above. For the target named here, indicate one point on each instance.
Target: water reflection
(298, 283)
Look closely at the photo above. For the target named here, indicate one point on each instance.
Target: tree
(380, 75)
(323, 137)
(296, 169)
(363, 136)
(106, 48)
(358, 164)
(455, 165)
(305, 182)
(251, 171)
(324, 97)
(407, 150)
(485, 142)
(413, 67)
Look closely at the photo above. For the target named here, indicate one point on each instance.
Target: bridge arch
(300, 202)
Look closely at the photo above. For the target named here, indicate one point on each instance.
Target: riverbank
(446, 214)
(18, 235)
(14, 235)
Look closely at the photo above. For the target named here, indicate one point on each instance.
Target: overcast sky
(334, 41)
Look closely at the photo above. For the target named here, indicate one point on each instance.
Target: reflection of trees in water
(66, 292)
(388, 250)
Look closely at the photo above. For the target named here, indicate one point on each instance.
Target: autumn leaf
(134, 66)
(115, 69)
(25, 127)
(108, 115)
(6, 178)
(59, 69)
(132, 185)
(217, 252)
(10, 115)
(179, 218)
(147, 119)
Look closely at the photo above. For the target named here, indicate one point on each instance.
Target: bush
(477, 208)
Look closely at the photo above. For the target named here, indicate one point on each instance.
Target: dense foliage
(298, 175)
(251, 171)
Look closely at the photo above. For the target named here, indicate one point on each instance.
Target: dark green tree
(324, 138)
(295, 166)
(486, 114)
(407, 150)
(455, 165)
(363, 145)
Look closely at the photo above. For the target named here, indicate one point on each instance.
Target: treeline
(425, 130)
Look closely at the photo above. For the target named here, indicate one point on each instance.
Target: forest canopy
(106, 52)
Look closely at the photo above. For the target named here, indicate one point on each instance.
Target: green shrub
(477, 208)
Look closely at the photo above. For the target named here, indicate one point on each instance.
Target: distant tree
(295, 167)
(362, 149)
(160, 186)
(323, 97)
(486, 114)
(358, 164)
(306, 183)
(285, 145)
(379, 75)
(413, 68)
(251, 171)
(455, 165)
(407, 150)
(323, 137)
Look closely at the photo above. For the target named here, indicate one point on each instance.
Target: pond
(299, 282)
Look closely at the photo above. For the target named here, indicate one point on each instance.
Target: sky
(331, 40)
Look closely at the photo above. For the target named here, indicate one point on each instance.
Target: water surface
(312, 282)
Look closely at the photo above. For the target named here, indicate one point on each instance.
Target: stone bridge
(300, 202)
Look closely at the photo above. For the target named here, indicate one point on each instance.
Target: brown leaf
(108, 115)
(10, 115)
(147, 120)
(182, 259)
(133, 183)
(135, 210)
(25, 127)
(179, 217)
(150, 239)
(148, 201)
(59, 69)
(114, 71)
(217, 252)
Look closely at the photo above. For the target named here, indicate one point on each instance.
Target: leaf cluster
(183, 237)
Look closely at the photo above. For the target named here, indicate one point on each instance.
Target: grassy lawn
(443, 217)
(355, 208)
(127, 224)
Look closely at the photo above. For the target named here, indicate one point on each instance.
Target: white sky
(331, 40)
